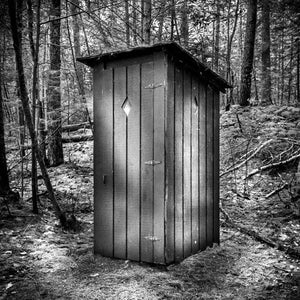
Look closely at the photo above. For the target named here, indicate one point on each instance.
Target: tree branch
(248, 158)
(273, 165)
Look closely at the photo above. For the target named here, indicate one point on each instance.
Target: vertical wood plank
(195, 165)
(209, 168)
(133, 167)
(170, 168)
(159, 155)
(216, 167)
(119, 163)
(202, 165)
(178, 155)
(146, 155)
(187, 164)
(103, 161)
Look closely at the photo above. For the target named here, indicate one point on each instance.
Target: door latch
(152, 162)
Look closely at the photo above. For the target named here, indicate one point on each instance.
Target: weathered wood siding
(156, 168)
(192, 164)
(129, 191)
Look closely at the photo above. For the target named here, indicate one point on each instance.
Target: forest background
(46, 95)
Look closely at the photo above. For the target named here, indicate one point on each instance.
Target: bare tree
(247, 62)
(4, 179)
(184, 24)
(25, 103)
(146, 20)
(55, 148)
(265, 54)
(35, 55)
(217, 38)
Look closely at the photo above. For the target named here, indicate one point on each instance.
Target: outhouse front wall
(129, 191)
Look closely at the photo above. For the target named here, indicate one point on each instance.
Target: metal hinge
(154, 85)
(152, 162)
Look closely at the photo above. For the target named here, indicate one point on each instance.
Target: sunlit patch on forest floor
(39, 261)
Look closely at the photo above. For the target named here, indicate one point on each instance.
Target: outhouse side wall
(129, 191)
(192, 163)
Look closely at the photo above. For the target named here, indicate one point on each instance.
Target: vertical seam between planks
(199, 170)
(182, 162)
(213, 163)
(206, 150)
(174, 168)
(166, 143)
(191, 160)
(113, 161)
(126, 171)
(153, 142)
(140, 166)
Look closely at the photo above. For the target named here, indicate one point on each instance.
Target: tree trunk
(217, 38)
(127, 24)
(134, 20)
(184, 24)
(172, 12)
(25, 102)
(229, 74)
(247, 63)
(298, 71)
(35, 56)
(265, 54)
(161, 18)
(78, 66)
(146, 20)
(4, 180)
(55, 149)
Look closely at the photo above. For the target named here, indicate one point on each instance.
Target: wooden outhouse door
(129, 158)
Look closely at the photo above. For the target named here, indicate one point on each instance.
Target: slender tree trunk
(291, 71)
(265, 54)
(229, 75)
(282, 76)
(55, 148)
(127, 25)
(161, 18)
(4, 179)
(85, 36)
(298, 71)
(172, 19)
(134, 20)
(217, 38)
(35, 55)
(184, 24)
(146, 20)
(25, 102)
(247, 63)
(77, 53)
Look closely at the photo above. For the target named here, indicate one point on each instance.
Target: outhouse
(156, 153)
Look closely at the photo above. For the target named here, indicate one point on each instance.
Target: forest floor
(40, 261)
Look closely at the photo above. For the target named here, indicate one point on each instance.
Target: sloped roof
(169, 47)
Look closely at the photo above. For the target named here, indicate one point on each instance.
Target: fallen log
(74, 127)
(247, 159)
(273, 165)
(295, 253)
(77, 138)
(67, 139)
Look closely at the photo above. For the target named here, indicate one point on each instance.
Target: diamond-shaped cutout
(126, 106)
(196, 104)
(196, 101)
